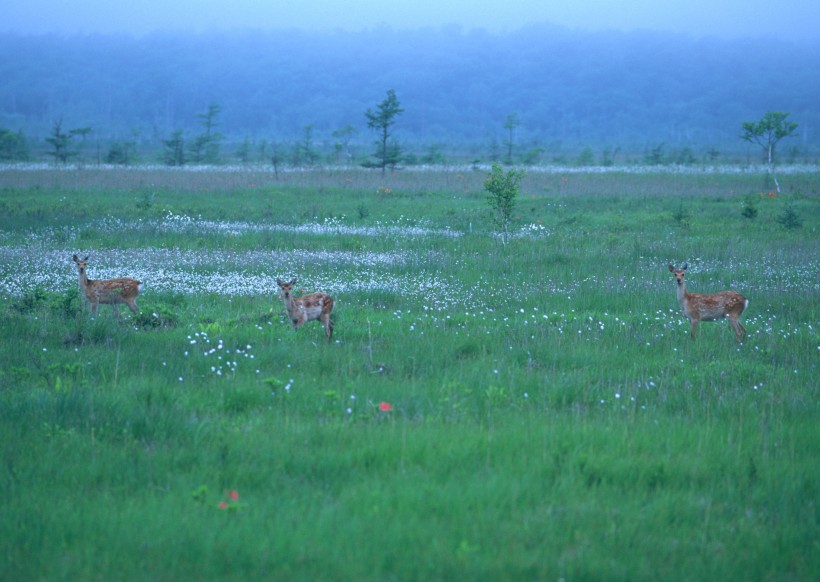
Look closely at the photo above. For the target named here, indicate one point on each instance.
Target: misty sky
(784, 19)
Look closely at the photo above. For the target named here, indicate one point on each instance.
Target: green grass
(550, 416)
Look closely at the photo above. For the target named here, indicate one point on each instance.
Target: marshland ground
(531, 410)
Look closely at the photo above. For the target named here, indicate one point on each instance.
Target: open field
(530, 411)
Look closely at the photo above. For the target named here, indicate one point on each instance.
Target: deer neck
(683, 296)
(290, 304)
(83, 279)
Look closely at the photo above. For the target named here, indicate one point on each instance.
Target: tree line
(538, 95)
(767, 132)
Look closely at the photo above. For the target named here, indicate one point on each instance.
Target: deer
(108, 291)
(710, 307)
(311, 307)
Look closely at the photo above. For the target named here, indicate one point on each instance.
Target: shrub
(68, 304)
(13, 146)
(749, 207)
(502, 188)
(160, 318)
(30, 301)
(682, 217)
(789, 218)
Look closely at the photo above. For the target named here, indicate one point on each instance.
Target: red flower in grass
(385, 406)
(232, 500)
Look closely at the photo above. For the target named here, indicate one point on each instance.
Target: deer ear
(76, 260)
(294, 281)
(685, 266)
(279, 282)
(671, 269)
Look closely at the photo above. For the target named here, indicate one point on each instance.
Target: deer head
(680, 274)
(286, 287)
(81, 263)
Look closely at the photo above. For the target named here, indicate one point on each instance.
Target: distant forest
(573, 95)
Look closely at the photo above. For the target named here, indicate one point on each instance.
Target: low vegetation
(530, 410)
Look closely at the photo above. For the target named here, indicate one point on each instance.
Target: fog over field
(604, 77)
(792, 20)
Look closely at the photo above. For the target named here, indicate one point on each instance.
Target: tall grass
(549, 416)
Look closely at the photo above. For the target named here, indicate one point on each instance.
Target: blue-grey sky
(782, 19)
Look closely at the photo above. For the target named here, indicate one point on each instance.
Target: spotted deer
(108, 291)
(311, 307)
(697, 307)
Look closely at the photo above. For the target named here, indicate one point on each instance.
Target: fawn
(311, 307)
(108, 291)
(697, 307)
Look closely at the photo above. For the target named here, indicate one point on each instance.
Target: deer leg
(133, 307)
(740, 331)
(328, 326)
(694, 331)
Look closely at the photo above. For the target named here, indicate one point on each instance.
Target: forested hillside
(570, 90)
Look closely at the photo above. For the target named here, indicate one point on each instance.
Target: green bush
(789, 218)
(749, 207)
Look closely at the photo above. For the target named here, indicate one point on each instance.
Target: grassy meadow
(529, 411)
